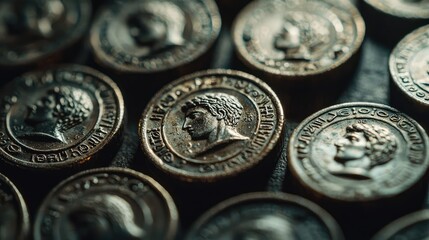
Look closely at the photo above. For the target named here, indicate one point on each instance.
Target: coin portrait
(305, 38)
(14, 219)
(358, 152)
(36, 29)
(211, 124)
(260, 216)
(116, 203)
(409, 66)
(72, 115)
(153, 36)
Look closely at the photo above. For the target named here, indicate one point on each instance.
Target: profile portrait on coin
(60, 109)
(156, 26)
(102, 216)
(260, 228)
(363, 147)
(213, 117)
(299, 39)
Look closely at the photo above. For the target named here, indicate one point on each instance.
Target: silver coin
(358, 152)
(409, 67)
(153, 36)
(296, 38)
(107, 203)
(414, 226)
(410, 9)
(210, 125)
(263, 215)
(58, 118)
(14, 219)
(37, 29)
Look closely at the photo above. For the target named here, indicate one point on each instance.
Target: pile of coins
(124, 119)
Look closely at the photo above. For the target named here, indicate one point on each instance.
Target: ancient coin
(298, 38)
(33, 30)
(264, 215)
(107, 203)
(411, 9)
(357, 152)
(414, 226)
(14, 220)
(153, 36)
(59, 117)
(409, 67)
(211, 125)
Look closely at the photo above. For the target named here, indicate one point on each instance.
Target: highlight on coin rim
(210, 177)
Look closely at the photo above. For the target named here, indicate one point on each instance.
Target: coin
(409, 68)
(358, 152)
(210, 125)
(265, 215)
(59, 118)
(153, 36)
(408, 9)
(14, 220)
(414, 226)
(293, 39)
(107, 203)
(34, 30)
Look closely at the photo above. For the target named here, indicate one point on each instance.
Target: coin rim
(211, 177)
(107, 61)
(171, 232)
(75, 161)
(330, 223)
(243, 54)
(406, 41)
(395, 12)
(309, 184)
(387, 232)
(24, 216)
(86, 14)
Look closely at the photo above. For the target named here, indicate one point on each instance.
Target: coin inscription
(152, 36)
(305, 37)
(211, 124)
(265, 216)
(409, 66)
(109, 203)
(359, 152)
(35, 29)
(72, 115)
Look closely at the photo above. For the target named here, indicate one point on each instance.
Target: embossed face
(147, 29)
(263, 227)
(351, 146)
(289, 37)
(104, 216)
(199, 123)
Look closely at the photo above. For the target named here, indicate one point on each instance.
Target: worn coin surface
(107, 203)
(298, 38)
(14, 220)
(358, 152)
(409, 67)
(414, 226)
(152, 35)
(59, 117)
(212, 124)
(411, 9)
(36, 29)
(264, 215)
